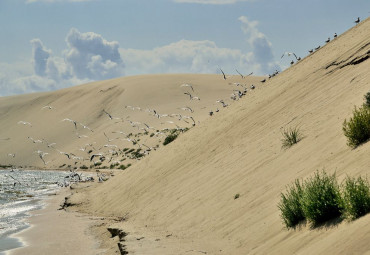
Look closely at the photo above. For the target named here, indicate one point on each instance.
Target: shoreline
(54, 231)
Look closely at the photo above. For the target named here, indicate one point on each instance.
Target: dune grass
(290, 205)
(357, 129)
(356, 197)
(291, 136)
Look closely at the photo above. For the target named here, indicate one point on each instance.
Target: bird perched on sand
(328, 40)
(335, 35)
(292, 62)
(264, 80)
(357, 20)
(310, 51)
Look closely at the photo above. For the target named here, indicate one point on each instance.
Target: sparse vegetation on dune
(290, 205)
(356, 197)
(320, 199)
(357, 128)
(291, 136)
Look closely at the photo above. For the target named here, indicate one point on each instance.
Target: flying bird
(239, 73)
(72, 121)
(187, 108)
(84, 126)
(96, 155)
(187, 85)
(24, 123)
(223, 74)
(47, 107)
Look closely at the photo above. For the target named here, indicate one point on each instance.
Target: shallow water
(22, 191)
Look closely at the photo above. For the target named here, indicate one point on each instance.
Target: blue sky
(52, 44)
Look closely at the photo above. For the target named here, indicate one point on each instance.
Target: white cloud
(40, 56)
(186, 57)
(88, 57)
(212, 1)
(91, 56)
(261, 46)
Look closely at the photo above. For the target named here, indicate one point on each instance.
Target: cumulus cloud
(40, 56)
(261, 46)
(185, 57)
(88, 57)
(212, 1)
(91, 56)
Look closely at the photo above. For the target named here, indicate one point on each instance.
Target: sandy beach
(180, 198)
(55, 231)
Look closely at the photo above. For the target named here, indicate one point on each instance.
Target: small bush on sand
(367, 99)
(290, 205)
(237, 196)
(83, 167)
(321, 199)
(357, 129)
(356, 197)
(291, 136)
(171, 137)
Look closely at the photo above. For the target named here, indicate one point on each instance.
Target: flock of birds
(115, 153)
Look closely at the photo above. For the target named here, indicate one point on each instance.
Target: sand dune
(128, 98)
(181, 198)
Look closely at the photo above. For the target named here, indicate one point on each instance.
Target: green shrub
(356, 197)
(291, 136)
(357, 129)
(237, 196)
(367, 99)
(84, 167)
(171, 137)
(290, 205)
(321, 199)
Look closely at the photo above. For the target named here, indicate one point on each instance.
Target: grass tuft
(291, 136)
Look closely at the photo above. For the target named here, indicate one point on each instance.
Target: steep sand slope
(187, 189)
(85, 104)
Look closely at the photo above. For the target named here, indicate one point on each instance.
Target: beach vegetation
(357, 128)
(83, 167)
(237, 196)
(174, 133)
(291, 136)
(113, 165)
(356, 197)
(290, 205)
(321, 199)
(367, 99)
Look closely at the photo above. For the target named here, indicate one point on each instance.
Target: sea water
(22, 191)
